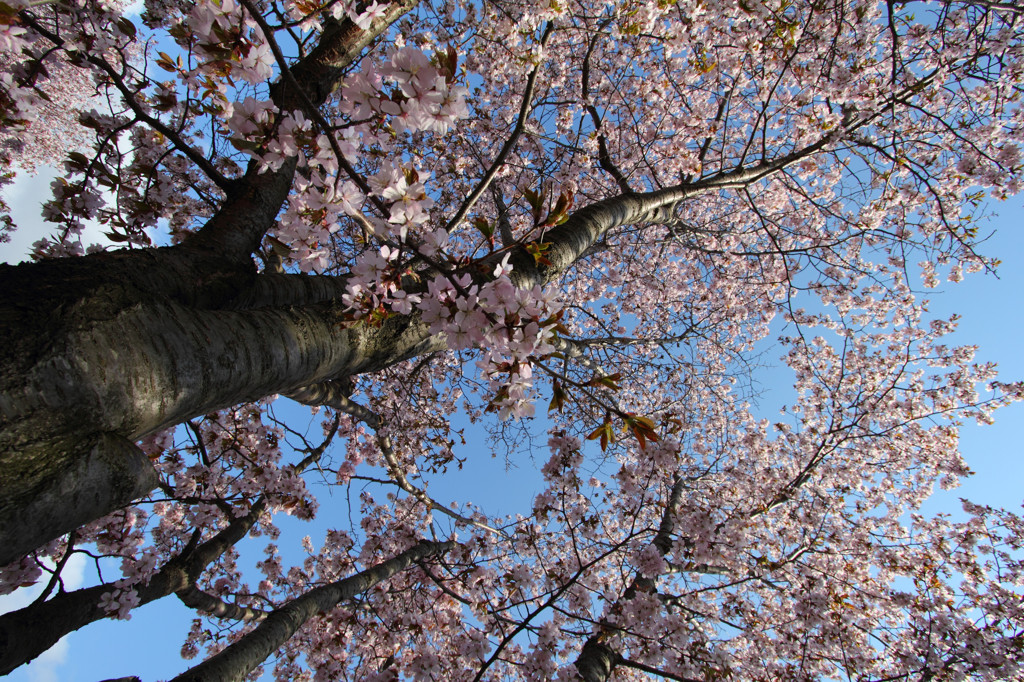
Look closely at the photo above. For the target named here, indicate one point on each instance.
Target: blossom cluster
(511, 326)
(423, 98)
(362, 18)
(228, 39)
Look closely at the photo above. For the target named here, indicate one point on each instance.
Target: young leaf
(537, 249)
(604, 432)
(485, 227)
(557, 397)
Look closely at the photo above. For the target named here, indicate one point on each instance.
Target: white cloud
(46, 667)
(72, 574)
(25, 196)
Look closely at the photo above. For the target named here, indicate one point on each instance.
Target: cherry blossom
(559, 234)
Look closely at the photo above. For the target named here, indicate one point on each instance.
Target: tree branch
(239, 659)
(335, 394)
(195, 598)
(599, 656)
(188, 150)
(28, 632)
(237, 228)
(499, 160)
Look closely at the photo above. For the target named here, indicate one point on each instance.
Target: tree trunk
(100, 350)
(114, 368)
(107, 349)
(600, 654)
(92, 360)
(596, 661)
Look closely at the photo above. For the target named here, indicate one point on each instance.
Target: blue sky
(992, 317)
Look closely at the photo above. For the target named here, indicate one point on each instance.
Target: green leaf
(536, 201)
(609, 381)
(78, 160)
(165, 62)
(484, 225)
(642, 429)
(560, 213)
(537, 249)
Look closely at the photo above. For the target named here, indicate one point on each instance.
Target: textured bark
(103, 471)
(122, 358)
(113, 347)
(571, 240)
(596, 661)
(194, 598)
(239, 659)
(150, 366)
(28, 632)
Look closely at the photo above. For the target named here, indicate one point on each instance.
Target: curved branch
(604, 159)
(156, 124)
(599, 656)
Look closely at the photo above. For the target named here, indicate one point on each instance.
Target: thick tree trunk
(239, 659)
(107, 349)
(106, 372)
(93, 357)
(596, 661)
(88, 359)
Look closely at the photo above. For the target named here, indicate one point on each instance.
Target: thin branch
(654, 671)
(499, 161)
(55, 578)
(193, 155)
(334, 394)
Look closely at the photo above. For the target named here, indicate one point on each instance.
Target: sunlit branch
(238, 659)
(195, 598)
(333, 394)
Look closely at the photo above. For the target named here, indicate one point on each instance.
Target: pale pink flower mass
(566, 237)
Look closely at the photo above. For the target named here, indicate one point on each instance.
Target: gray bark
(239, 659)
(103, 471)
(123, 361)
(89, 348)
(596, 661)
(113, 347)
(194, 598)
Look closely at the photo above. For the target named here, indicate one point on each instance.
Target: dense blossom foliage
(595, 210)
